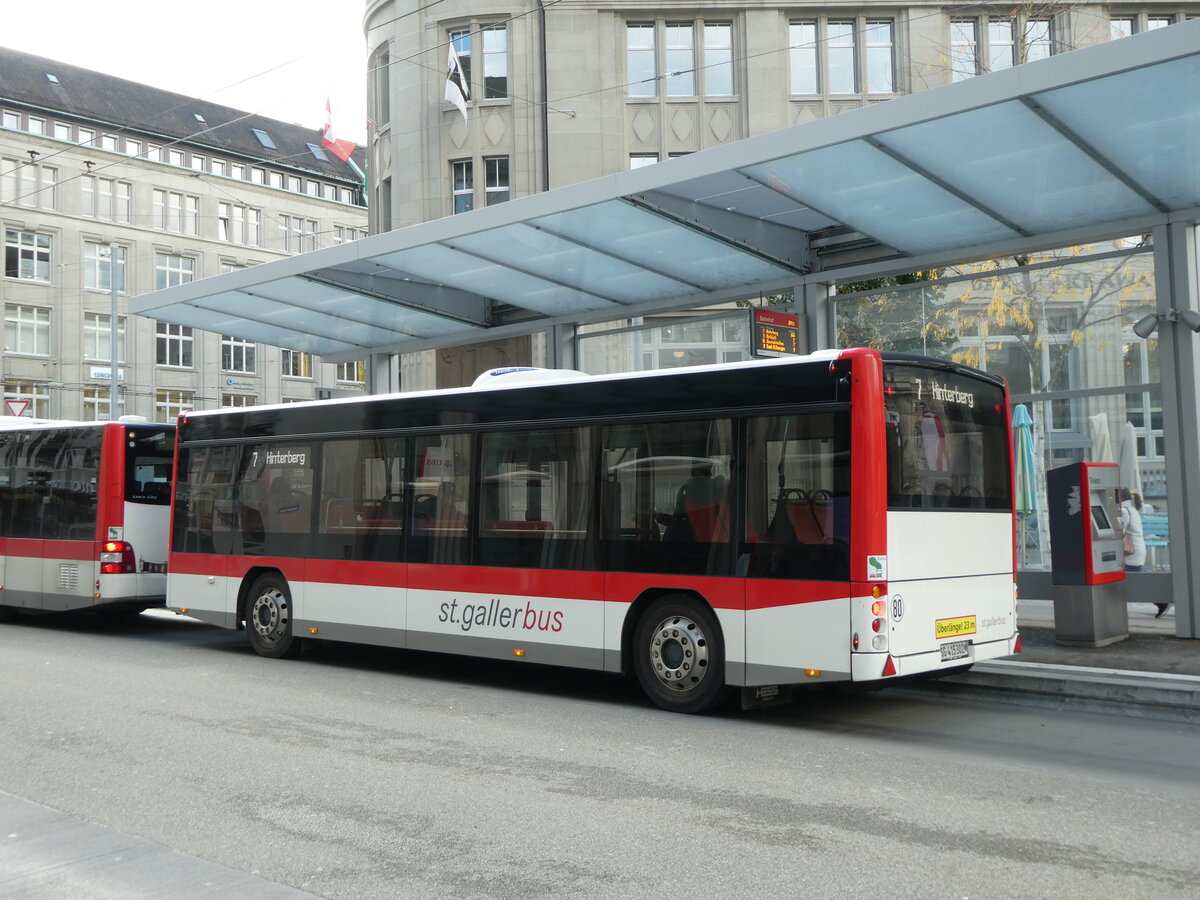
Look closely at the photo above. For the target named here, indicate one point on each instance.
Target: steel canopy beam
(437, 300)
(778, 244)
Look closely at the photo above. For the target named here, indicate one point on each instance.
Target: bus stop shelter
(1090, 145)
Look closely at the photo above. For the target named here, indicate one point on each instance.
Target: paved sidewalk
(1150, 674)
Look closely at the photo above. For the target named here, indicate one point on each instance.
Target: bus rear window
(148, 459)
(947, 441)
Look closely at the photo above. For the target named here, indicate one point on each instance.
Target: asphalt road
(159, 757)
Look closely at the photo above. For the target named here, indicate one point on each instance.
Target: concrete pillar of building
(383, 374)
(1175, 272)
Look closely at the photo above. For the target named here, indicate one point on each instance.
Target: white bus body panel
(949, 579)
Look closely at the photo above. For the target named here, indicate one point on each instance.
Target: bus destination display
(776, 333)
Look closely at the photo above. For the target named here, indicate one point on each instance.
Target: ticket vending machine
(1088, 563)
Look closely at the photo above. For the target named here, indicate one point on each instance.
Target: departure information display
(775, 333)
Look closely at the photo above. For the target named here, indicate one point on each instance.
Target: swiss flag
(340, 147)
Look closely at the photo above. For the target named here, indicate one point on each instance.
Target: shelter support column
(1175, 278)
(383, 373)
(560, 347)
(813, 305)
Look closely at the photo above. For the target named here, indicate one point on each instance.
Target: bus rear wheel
(679, 656)
(269, 618)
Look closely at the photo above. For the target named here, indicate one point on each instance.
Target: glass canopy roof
(1105, 136)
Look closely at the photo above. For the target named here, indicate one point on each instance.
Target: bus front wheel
(679, 656)
(269, 618)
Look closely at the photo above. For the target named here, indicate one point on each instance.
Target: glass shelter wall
(1058, 327)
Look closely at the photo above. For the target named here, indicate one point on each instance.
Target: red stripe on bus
(620, 587)
(36, 548)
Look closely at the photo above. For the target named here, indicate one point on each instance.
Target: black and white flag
(457, 91)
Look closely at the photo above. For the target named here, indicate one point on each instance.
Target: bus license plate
(955, 650)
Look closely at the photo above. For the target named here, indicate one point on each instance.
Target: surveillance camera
(1190, 318)
(1144, 327)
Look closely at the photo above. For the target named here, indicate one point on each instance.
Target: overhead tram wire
(549, 104)
(142, 128)
(413, 59)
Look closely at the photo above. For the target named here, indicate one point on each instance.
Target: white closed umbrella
(1127, 459)
(1102, 450)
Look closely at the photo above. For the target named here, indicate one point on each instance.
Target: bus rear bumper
(872, 666)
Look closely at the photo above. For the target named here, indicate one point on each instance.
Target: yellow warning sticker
(944, 628)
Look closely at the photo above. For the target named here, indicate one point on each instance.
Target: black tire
(679, 655)
(269, 618)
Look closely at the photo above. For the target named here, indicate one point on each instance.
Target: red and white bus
(84, 515)
(844, 516)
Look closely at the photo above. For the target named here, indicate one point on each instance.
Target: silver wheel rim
(678, 654)
(269, 616)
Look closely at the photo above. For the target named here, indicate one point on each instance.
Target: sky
(280, 58)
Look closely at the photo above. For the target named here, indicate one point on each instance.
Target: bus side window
(535, 498)
(666, 497)
(797, 497)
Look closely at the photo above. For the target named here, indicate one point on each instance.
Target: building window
(239, 224)
(12, 120)
(26, 330)
(495, 62)
(294, 364)
(881, 57)
(991, 43)
(176, 212)
(641, 160)
(237, 355)
(107, 198)
(641, 68)
(218, 167)
(297, 234)
(173, 345)
(463, 182)
(62, 131)
(170, 405)
(354, 372)
(495, 180)
(97, 267)
(689, 73)
(109, 142)
(237, 171)
(293, 184)
(97, 337)
(36, 125)
(86, 136)
(851, 56)
(344, 234)
(154, 152)
(842, 70)
(238, 400)
(718, 59)
(36, 394)
(27, 256)
(132, 147)
(680, 60)
(97, 400)
(171, 269)
(258, 176)
(175, 157)
(264, 138)
(379, 79)
(28, 184)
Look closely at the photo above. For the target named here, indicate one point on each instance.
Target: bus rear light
(813, 673)
(854, 643)
(1017, 645)
(879, 642)
(877, 625)
(889, 667)
(116, 558)
(877, 609)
